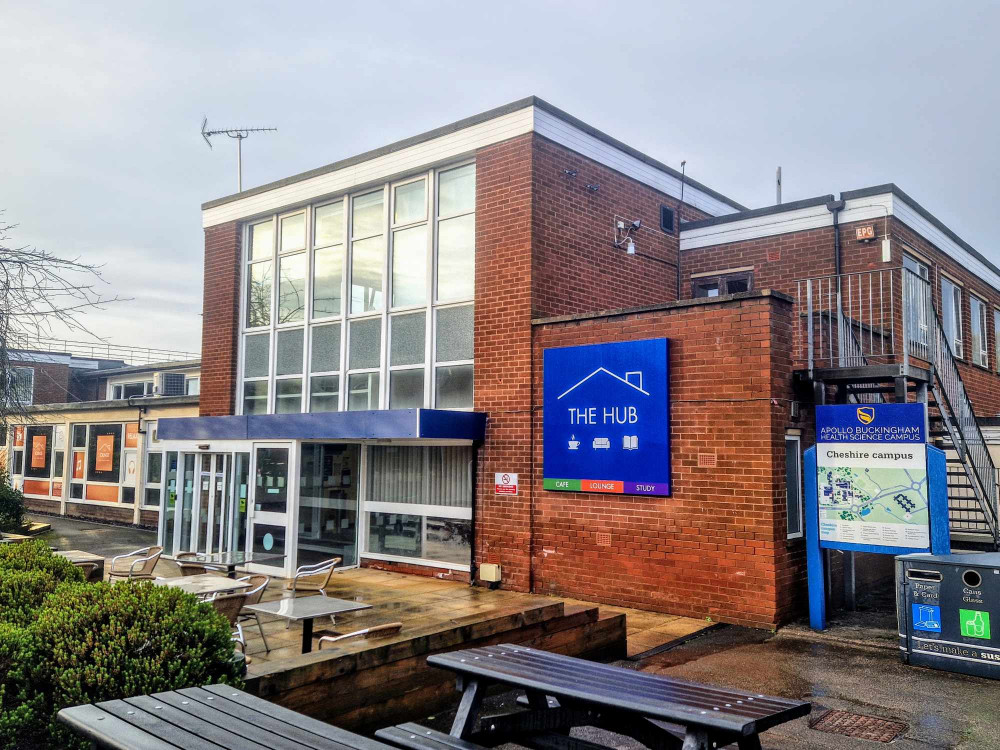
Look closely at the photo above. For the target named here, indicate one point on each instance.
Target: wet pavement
(102, 539)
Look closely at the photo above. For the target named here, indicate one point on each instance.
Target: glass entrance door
(201, 514)
(214, 507)
(269, 507)
(328, 503)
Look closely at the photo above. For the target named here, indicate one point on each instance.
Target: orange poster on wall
(38, 451)
(78, 465)
(132, 435)
(18, 437)
(105, 453)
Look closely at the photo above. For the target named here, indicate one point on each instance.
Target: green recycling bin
(948, 608)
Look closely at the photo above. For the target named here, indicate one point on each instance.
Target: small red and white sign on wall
(506, 483)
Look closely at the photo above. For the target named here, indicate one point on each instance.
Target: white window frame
(797, 440)
(15, 371)
(346, 316)
(977, 319)
(955, 295)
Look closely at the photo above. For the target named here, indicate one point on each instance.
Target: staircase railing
(949, 390)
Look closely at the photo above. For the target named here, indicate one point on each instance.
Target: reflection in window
(410, 203)
(261, 240)
(409, 266)
(456, 258)
(255, 397)
(329, 224)
(292, 288)
(293, 233)
(328, 272)
(259, 295)
(367, 262)
(453, 387)
(288, 396)
(324, 393)
(362, 391)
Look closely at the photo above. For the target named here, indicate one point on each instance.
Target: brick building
(375, 332)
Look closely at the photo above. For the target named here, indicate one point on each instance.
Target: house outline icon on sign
(619, 378)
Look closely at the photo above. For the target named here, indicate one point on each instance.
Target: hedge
(91, 642)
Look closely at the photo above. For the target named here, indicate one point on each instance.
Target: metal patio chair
(315, 577)
(229, 605)
(89, 569)
(140, 568)
(375, 631)
(193, 568)
(258, 585)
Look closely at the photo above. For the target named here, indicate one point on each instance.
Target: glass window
(288, 396)
(292, 288)
(152, 496)
(288, 358)
(457, 191)
(367, 262)
(192, 386)
(951, 315)
(116, 392)
(362, 391)
(58, 464)
(329, 224)
(366, 344)
(706, 289)
(328, 503)
(406, 389)
(272, 480)
(409, 266)
(261, 240)
(259, 295)
(407, 341)
(328, 272)
(293, 232)
(793, 485)
(368, 219)
(256, 353)
(977, 310)
(104, 453)
(154, 468)
(325, 355)
(456, 264)
(79, 436)
(453, 387)
(23, 385)
(325, 393)
(396, 534)
(255, 397)
(76, 491)
(38, 451)
(411, 203)
(454, 340)
(133, 390)
(996, 338)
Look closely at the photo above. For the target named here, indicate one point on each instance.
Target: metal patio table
(214, 717)
(565, 692)
(230, 560)
(202, 585)
(307, 608)
(77, 556)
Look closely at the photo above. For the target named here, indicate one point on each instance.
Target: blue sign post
(872, 485)
(606, 424)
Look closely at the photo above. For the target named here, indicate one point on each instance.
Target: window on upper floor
(951, 315)
(372, 303)
(722, 283)
(192, 386)
(978, 326)
(23, 385)
(131, 390)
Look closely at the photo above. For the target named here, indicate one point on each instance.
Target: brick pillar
(221, 320)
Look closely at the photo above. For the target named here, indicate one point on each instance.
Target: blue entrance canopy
(436, 424)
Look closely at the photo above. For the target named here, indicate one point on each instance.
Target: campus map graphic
(868, 505)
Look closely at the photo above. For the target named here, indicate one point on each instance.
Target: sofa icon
(602, 444)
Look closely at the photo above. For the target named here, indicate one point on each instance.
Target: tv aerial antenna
(239, 134)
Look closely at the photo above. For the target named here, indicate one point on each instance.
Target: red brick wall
(221, 320)
(717, 547)
(576, 267)
(52, 382)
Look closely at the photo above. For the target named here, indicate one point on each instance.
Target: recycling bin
(948, 608)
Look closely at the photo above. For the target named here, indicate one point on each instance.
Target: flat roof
(184, 364)
(530, 101)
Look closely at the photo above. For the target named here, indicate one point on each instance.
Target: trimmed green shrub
(29, 572)
(96, 642)
(33, 554)
(11, 505)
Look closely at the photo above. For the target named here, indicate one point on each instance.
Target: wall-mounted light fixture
(624, 231)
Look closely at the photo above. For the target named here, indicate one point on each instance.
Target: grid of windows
(370, 306)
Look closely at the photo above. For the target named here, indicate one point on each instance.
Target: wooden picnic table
(214, 717)
(564, 692)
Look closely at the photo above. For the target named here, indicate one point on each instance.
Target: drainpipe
(835, 207)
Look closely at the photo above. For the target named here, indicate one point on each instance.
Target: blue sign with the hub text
(606, 423)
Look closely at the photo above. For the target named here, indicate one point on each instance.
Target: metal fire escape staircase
(848, 326)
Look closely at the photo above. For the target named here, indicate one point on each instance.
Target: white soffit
(454, 146)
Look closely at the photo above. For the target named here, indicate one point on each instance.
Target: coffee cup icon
(574, 444)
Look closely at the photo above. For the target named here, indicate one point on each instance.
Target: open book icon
(630, 442)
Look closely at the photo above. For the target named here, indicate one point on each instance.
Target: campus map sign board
(872, 477)
(607, 418)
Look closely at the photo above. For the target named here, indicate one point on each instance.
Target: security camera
(636, 224)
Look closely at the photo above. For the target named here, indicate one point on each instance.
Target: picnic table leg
(468, 709)
(696, 739)
(307, 635)
(749, 743)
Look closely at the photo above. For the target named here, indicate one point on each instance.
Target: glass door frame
(289, 519)
(360, 487)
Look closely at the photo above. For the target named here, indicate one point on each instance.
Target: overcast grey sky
(100, 154)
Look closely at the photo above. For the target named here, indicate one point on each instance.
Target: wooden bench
(564, 692)
(215, 717)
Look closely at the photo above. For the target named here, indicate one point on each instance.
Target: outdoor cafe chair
(193, 568)
(229, 606)
(139, 568)
(89, 569)
(315, 577)
(375, 631)
(258, 584)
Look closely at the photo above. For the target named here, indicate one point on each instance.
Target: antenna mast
(239, 134)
